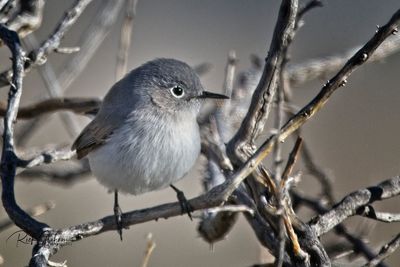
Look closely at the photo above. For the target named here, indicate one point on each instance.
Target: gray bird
(145, 136)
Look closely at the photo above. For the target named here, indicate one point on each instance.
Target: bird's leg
(118, 214)
(185, 205)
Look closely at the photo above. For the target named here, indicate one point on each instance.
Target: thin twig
(369, 212)
(385, 251)
(151, 245)
(39, 56)
(47, 156)
(293, 156)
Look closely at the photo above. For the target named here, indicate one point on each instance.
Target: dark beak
(206, 94)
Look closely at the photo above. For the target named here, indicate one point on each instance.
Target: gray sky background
(355, 136)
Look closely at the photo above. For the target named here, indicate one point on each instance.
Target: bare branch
(352, 202)
(33, 211)
(358, 245)
(8, 158)
(254, 121)
(369, 212)
(293, 156)
(340, 78)
(76, 105)
(320, 68)
(39, 56)
(47, 156)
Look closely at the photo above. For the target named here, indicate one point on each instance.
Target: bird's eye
(177, 91)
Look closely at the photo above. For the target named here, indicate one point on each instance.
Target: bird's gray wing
(93, 136)
(116, 106)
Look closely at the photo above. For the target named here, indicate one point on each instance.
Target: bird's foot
(118, 215)
(185, 205)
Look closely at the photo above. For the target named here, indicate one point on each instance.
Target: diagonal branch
(354, 201)
(385, 251)
(254, 121)
(39, 56)
(320, 68)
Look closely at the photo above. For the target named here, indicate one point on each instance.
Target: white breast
(145, 155)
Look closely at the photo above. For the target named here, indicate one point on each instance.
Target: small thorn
(378, 28)
(395, 31)
(364, 57)
(343, 83)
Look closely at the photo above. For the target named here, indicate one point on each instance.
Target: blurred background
(355, 137)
